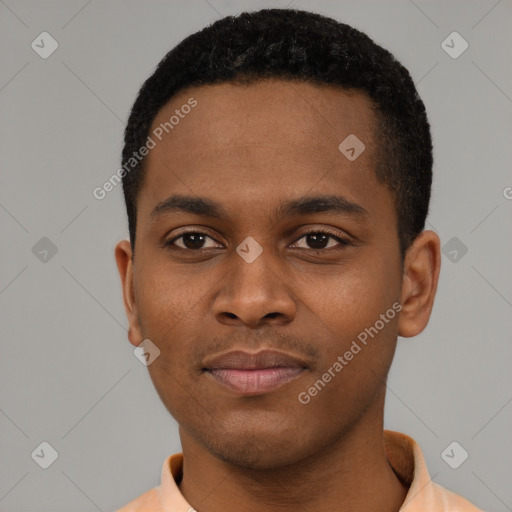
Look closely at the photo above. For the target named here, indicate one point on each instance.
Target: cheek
(165, 298)
(357, 349)
(169, 307)
(352, 298)
(354, 318)
(168, 311)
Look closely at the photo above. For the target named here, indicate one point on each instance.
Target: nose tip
(251, 319)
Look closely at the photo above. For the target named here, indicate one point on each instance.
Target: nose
(254, 294)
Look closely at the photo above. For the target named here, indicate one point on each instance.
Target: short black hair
(292, 44)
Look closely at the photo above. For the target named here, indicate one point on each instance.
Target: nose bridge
(254, 288)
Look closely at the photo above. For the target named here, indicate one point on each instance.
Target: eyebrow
(302, 206)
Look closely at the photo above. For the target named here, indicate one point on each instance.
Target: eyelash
(342, 240)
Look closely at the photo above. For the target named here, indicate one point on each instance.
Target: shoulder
(452, 501)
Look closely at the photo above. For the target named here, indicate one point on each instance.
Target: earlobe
(421, 274)
(124, 260)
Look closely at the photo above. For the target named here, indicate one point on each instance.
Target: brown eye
(192, 240)
(321, 240)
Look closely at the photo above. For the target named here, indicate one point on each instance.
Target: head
(281, 205)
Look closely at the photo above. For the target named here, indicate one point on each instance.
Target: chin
(257, 449)
(256, 458)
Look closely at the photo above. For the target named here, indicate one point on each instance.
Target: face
(255, 232)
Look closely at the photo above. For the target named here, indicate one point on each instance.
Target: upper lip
(241, 360)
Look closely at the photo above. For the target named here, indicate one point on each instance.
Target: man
(277, 171)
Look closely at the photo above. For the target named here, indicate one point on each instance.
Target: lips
(254, 373)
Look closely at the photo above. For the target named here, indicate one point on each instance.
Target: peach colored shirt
(402, 451)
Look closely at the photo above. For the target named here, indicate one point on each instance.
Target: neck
(354, 474)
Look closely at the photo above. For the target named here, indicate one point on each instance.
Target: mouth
(254, 374)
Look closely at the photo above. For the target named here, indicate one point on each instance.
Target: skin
(249, 149)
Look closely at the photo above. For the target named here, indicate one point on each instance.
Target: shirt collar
(403, 453)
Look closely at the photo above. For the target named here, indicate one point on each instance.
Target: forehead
(272, 138)
(271, 110)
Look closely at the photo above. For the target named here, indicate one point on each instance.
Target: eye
(192, 240)
(323, 240)
(316, 241)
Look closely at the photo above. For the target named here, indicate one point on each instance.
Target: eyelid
(335, 232)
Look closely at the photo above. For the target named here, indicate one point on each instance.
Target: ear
(421, 274)
(123, 254)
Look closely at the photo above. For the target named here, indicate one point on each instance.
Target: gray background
(68, 373)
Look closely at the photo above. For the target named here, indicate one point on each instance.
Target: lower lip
(254, 382)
